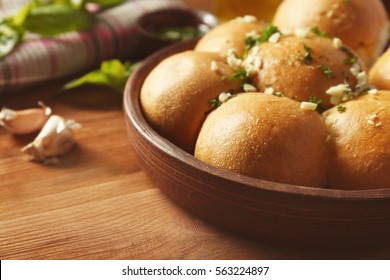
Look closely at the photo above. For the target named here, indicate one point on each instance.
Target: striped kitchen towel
(40, 59)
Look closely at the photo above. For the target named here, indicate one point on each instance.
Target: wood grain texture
(97, 202)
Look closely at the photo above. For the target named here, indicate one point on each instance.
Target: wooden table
(97, 203)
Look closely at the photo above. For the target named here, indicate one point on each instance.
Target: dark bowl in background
(146, 41)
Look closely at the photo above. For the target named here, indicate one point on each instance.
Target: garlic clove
(24, 121)
(55, 139)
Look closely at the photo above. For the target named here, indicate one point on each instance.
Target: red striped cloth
(41, 59)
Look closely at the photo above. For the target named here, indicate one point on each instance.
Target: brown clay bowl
(283, 213)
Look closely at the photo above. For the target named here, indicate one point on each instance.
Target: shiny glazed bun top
(175, 95)
(361, 24)
(359, 143)
(230, 35)
(307, 68)
(266, 137)
(380, 72)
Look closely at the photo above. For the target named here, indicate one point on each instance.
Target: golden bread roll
(305, 67)
(361, 24)
(360, 143)
(380, 72)
(266, 137)
(229, 35)
(175, 95)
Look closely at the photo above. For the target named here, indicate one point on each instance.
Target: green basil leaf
(106, 3)
(112, 73)
(55, 19)
(9, 38)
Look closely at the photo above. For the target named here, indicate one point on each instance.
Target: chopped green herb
(320, 33)
(320, 105)
(306, 58)
(341, 108)
(216, 102)
(350, 60)
(240, 75)
(346, 1)
(264, 36)
(279, 94)
(326, 70)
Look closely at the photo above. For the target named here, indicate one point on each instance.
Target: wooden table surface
(97, 203)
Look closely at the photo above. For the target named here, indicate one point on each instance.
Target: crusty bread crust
(266, 137)
(360, 143)
(361, 24)
(175, 95)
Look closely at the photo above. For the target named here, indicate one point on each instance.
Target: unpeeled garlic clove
(56, 138)
(24, 121)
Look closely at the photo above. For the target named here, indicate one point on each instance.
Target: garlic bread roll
(380, 72)
(361, 24)
(303, 68)
(175, 95)
(230, 35)
(266, 137)
(360, 143)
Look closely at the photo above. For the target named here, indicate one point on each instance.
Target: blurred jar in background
(229, 9)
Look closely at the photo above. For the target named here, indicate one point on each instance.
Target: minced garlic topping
(337, 43)
(249, 88)
(247, 18)
(308, 106)
(269, 90)
(275, 37)
(214, 66)
(224, 96)
(232, 59)
(373, 119)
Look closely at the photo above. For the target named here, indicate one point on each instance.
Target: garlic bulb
(24, 121)
(56, 138)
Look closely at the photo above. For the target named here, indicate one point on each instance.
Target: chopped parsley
(263, 37)
(351, 58)
(220, 99)
(320, 105)
(240, 75)
(279, 94)
(326, 70)
(320, 33)
(341, 108)
(306, 58)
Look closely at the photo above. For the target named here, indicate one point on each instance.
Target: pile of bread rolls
(301, 100)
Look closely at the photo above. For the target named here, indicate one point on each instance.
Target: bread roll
(360, 143)
(175, 95)
(229, 35)
(266, 137)
(380, 72)
(301, 68)
(361, 24)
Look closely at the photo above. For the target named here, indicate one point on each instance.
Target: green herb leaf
(341, 108)
(326, 70)
(55, 19)
(112, 73)
(320, 105)
(320, 33)
(106, 3)
(9, 37)
(250, 42)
